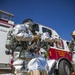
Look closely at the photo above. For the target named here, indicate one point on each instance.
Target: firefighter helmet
(27, 20)
(73, 33)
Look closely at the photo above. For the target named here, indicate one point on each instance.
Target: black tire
(64, 68)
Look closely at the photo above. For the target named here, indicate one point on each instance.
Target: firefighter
(25, 36)
(42, 64)
(39, 64)
(24, 41)
(72, 45)
(73, 41)
(19, 40)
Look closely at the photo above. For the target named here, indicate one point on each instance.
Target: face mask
(27, 25)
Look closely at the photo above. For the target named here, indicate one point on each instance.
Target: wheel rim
(67, 70)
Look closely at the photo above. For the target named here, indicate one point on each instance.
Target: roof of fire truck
(54, 33)
(6, 18)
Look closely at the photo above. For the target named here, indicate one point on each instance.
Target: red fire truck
(59, 51)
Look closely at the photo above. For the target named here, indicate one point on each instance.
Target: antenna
(6, 15)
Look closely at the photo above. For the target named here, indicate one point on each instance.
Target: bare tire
(64, 68)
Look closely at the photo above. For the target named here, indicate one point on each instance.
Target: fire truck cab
(59, 51)
(5, 24)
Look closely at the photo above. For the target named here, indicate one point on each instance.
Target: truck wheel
(64, 68)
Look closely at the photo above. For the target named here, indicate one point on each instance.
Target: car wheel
(64, 68)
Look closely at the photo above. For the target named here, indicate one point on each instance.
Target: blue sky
(56, 14)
